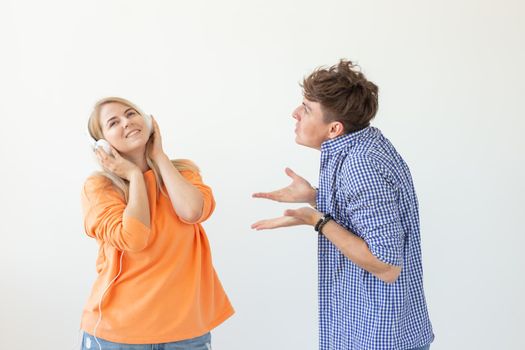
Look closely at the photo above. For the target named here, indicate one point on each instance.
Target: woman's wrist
(160, 157)
(134, 174)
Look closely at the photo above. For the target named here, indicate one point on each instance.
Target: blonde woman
(156, 283)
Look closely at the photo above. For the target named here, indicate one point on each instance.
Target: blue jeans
(199, 343)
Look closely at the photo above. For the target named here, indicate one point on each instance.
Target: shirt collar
(336, 145)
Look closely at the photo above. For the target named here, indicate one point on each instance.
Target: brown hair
(344, 93)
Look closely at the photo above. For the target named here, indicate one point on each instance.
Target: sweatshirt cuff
(136, 234)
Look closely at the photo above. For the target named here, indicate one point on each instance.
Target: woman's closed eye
(113, 122)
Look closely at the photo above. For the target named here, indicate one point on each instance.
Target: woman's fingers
(115, 154)
(107, 161)
(101, 154)
(154, 121)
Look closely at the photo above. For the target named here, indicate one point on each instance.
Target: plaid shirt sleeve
(374, 209)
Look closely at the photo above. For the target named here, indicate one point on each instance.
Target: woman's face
(123, 127)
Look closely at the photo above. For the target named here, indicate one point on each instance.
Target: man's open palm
(299, 191)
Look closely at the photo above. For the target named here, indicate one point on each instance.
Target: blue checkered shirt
(367, 187)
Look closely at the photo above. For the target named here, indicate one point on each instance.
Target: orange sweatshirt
(168, 289)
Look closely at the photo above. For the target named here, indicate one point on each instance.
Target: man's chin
(301, 142)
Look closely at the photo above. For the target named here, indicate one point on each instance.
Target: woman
(156, 283)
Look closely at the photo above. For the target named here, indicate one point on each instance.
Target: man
(366, 212)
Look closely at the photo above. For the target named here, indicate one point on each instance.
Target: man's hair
(344, 93)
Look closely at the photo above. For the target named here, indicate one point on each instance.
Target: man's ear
(336, 129)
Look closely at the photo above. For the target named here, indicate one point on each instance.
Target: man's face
(310, 129)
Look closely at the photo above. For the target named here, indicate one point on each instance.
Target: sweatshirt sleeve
(207, 195)
(103, 211)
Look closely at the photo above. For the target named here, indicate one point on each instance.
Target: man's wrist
(321, 222)
(315, 218)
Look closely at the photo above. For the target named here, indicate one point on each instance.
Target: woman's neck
(139, 159)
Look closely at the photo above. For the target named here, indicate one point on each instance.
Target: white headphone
(102, 298)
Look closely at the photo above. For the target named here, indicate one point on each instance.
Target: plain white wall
(222, 79)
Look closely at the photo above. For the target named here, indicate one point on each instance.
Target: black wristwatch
(322, 221)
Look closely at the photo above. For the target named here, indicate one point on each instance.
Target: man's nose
(295, 114)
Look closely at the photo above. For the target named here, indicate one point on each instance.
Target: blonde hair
(95, 130)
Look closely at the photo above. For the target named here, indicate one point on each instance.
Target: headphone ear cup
(104, 144)
(149, 123)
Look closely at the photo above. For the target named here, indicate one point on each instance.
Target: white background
(222, 79)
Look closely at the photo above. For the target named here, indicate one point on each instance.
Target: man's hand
(299, 191)
(292, 217)
(283, 221)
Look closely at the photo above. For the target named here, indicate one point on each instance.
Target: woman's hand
(116, 164)
(156, 151)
